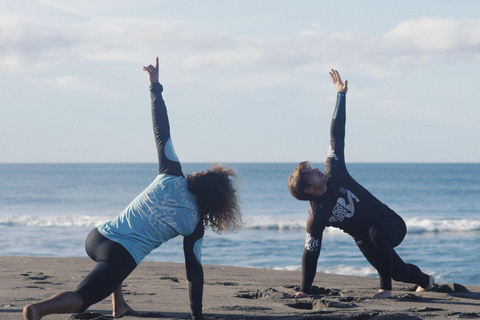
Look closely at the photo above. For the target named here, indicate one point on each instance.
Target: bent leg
(382, 256)
(114, 264)
(408, 273)
(102, 281)
(377, 246)
(383, 236)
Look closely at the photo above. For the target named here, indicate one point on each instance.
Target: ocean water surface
(48, 209)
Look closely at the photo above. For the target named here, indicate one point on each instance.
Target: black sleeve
(309, 269)
(311, 251)
(336, 154)
(167, 159)
(191, 249)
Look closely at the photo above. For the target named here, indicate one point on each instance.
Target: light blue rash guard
(164, 210)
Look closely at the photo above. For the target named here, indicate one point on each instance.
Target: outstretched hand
(152, 72)
(337, 81)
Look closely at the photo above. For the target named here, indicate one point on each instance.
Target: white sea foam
(443, 225)
(367, 271)
(52, 221)
(414, 225)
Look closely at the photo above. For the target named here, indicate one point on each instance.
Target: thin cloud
(436, 35)
(26, 45)
(426, 40)
(113, 39)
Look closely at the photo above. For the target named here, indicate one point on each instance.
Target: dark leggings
(377, 246)
(114, 264)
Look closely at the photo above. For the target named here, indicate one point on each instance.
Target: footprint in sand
(98, 316)
(222, 283)
(323, 291)
(35, 280)
(135, 293)
(411, 297)
(262, 294)
(244, 308)
(174, 279)
(35, 276)
(321, 304)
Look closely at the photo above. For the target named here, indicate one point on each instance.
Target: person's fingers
(150, 68)
(156, 63)
(337, 75)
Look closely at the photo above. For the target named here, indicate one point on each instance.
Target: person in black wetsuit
(337, 200)
(171, 205)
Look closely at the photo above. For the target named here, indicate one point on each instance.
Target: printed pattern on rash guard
(164, 210)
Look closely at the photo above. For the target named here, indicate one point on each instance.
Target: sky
(244, 81)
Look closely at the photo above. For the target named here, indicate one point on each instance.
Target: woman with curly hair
(171, 205)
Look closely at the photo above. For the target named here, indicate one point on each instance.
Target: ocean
(48, 210)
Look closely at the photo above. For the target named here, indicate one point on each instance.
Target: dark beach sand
(158, 290)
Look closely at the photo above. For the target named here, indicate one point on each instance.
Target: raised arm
(337, 128)
(168, 162)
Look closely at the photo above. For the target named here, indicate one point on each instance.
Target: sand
(159, 291)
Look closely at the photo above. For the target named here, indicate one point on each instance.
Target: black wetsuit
(347, 205)
(114, 262)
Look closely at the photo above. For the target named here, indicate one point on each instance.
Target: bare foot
(123, 310)
(383, 294)
(429, 287)
(30, 313)
(300, 295)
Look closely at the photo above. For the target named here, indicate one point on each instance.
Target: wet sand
(158, 290)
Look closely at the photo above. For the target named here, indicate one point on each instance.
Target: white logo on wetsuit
(331, 153)
(343, 209)
(311, 244)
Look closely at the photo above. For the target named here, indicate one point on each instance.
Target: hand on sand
(383, 294)
(300, 295)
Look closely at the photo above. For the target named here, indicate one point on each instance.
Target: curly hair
(217, 198)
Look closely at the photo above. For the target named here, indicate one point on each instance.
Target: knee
(82, 302)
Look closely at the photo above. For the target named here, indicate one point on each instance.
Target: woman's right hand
(152, 72)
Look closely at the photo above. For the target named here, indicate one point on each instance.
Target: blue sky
(244, 81)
